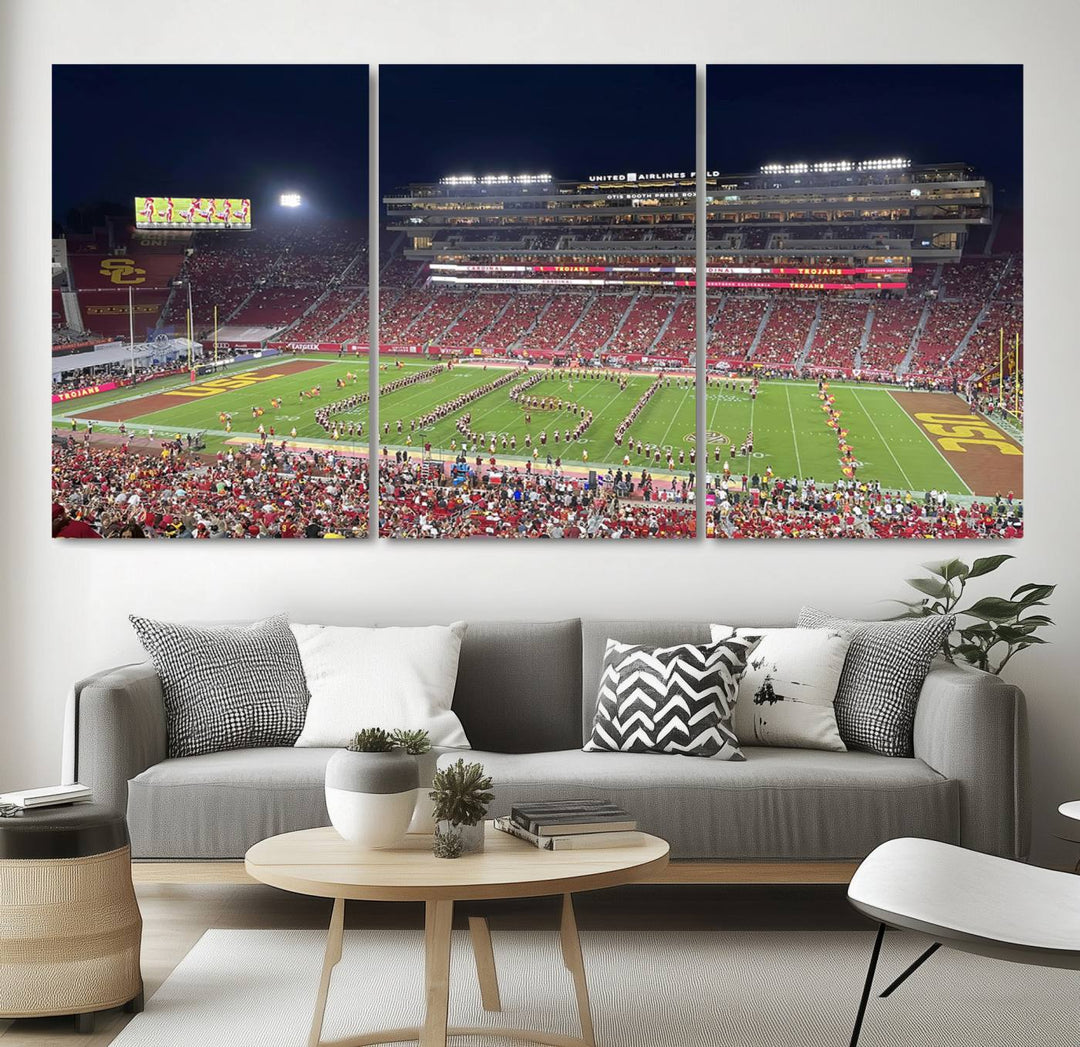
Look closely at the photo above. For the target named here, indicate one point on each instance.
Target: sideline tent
(164, 351)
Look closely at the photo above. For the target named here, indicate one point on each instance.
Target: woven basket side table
(70, 928)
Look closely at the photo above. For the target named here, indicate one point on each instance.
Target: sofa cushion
(519, 685)
(219, 804)
(781, 804)
(594, 638)
(396, 678)
(675, 699)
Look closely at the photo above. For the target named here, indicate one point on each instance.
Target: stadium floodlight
(289, 200)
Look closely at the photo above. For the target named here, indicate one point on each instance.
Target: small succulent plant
(461, 793)
(415, 743)
(371, 740)
(447, 843)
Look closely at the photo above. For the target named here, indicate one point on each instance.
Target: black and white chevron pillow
(670, 699)
(227, 687)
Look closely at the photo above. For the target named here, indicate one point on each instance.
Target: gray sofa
(525, 695)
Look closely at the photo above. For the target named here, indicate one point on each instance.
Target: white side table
(1072, 810)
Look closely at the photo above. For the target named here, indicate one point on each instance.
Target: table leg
(439, 918)
(571, 950)
(484, 955)
(330, 959)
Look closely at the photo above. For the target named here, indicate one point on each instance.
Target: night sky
(205, 130)
(122, 131)
(932, 113)
(569, 121)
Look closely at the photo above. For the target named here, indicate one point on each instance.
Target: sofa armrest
(972, 727)
(115, 730)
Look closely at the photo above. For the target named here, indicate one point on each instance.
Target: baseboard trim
(152, 872)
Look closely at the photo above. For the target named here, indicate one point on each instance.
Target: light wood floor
(175, 916)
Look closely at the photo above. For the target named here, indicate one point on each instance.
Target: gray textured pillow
(227, 687)
(883, 675)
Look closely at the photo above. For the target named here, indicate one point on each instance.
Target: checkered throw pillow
(227, 687)
(670, 699)
(883, 675)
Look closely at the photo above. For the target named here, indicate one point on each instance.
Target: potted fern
(460, 794)
(372, 786)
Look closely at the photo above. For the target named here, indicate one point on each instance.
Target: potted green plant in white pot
(372, 785)
(460, 794)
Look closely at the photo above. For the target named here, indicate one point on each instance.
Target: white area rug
(257, 989)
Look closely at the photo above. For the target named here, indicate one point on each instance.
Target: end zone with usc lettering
(986, 458)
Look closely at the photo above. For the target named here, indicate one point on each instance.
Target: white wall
(65, 603)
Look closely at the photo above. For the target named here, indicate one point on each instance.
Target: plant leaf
(949, 569)
(930, 586)
(1033, 593)
(986, 564)
(994, 609)
(1037, 619)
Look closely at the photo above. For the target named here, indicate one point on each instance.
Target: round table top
(1070, 809)
(74, 830)
(319, 862)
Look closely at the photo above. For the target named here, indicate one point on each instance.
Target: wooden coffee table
(319, 862)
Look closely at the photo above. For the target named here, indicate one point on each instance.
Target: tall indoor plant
(1002, 626)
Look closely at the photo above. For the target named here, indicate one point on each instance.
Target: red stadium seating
(520, 315)
(785, 332)
(643, 323)
(735, 324)
(891, 332)
(478, 315)
(945, 329)
(838, 334)
(555, 321)
(599, 323)
(678, 338)
(315, 324)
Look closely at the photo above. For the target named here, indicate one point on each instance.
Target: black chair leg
(135, 1004)
(84, 1023)
(868, 986)
(912, 969)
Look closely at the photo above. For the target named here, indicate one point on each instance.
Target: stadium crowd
(786, 508)
(521, 503)
(257, 492)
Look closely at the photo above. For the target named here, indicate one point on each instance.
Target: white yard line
(964, 489)
(881, 437)
(794, 436)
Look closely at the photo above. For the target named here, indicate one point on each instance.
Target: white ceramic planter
(472, 836)
(423, 819)
(371, 797)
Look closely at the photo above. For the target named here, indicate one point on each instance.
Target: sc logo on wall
(123, 271)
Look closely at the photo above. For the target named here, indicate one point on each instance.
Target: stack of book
(567, 825)
(50, 796)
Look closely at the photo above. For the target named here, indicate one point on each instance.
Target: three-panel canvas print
(535, 365)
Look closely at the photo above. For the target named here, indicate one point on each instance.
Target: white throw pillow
(786, 694)
(389, 678)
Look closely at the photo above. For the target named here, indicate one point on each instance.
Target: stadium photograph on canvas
(210, 354)
(536, 302)
(865, 302)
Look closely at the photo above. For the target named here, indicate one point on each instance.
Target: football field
(907, 441)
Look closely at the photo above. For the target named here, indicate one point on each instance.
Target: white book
(48, 796)
(578, 842)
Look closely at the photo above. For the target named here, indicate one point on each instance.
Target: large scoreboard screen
(198, 212)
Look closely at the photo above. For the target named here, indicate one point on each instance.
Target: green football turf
(204, 414)
(668, 418)
(791, 436)
(790, 432)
